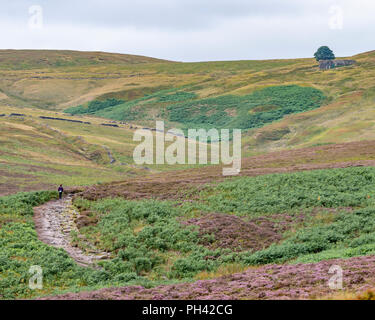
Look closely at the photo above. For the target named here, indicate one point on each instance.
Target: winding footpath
(54, 223)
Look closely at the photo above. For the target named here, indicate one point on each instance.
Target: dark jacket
(61, 189)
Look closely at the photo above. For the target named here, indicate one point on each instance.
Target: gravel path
(54, 222)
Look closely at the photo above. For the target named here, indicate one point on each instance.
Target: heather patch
(350, 234)
(229, 231)
(299, 281)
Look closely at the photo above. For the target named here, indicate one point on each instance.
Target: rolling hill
(154, 89)
(304, 199)
(279, 104)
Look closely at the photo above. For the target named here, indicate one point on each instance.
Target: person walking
(60, 190)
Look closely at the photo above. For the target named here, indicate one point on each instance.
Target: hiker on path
(60, 190)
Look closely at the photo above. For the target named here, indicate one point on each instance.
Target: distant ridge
(10, 58)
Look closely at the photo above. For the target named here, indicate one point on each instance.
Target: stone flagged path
(54, 222)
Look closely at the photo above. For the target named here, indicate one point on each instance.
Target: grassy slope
(38, 154)
(347, 116)
(59, 79)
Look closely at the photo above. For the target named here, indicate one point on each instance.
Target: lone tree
(324, 53)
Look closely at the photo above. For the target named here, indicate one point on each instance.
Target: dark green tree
(324, 53)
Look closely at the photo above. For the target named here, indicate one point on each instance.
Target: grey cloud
(192, 30)
(161, 14)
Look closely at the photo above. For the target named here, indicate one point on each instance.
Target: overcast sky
(191, 30)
